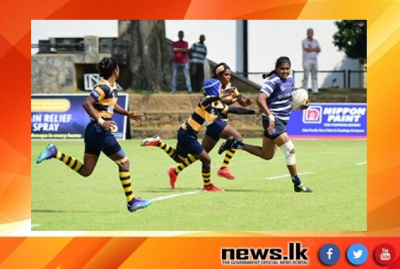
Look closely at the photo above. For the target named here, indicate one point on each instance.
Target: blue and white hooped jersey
(279, 94)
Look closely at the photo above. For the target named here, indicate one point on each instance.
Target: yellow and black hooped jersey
(234, 94)
(106, 97)
(206, 112)
(232, 98)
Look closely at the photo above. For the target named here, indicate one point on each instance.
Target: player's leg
(286, 145)
(228, 131)
(84, 169)
(205, 159)
(113, 150)
(268, 148)
(91, 152)
(156, 141)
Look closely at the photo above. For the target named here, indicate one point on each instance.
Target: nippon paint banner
(61, 116)
(329, 120)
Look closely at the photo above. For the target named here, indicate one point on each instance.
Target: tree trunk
(149, 62)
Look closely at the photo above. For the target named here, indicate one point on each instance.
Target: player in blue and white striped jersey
(274, 102)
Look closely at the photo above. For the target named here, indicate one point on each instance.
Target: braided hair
(106, 67)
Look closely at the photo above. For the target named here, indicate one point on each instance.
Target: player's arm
(240, 111)
(208, 100)
(262, 105)
(137, 116)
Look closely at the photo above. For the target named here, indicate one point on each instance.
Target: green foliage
(260, 198)
(351, 38)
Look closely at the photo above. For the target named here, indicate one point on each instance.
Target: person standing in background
(181, 57)
(198, 53)
(311, 48)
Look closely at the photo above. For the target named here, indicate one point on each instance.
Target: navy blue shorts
(215, 129)
(188, 143)
(98, 139)
(280, 127)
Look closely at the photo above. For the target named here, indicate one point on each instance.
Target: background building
(267, 40)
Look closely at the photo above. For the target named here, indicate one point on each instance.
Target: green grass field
(261, 198)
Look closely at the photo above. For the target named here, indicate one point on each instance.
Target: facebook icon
(329, 254)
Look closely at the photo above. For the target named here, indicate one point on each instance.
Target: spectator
(181, 50)
(198, 53)
(311, 48)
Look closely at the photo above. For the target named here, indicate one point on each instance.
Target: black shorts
(98, 139)
(280, 127)
(188, 143)
(215, 129)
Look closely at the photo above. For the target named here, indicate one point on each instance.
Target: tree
(352, 39)
(146, 50)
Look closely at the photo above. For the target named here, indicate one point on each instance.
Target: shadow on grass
(182, 190)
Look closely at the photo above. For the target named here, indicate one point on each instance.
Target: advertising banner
(327, 120)
(61, 116)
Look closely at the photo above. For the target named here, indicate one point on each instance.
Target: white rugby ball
(299, 97)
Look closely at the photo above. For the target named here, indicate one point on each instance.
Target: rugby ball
(299, 97)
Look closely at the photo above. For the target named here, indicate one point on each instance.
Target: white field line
(174, 195)
(287, 175)
(154, 199)
(361, 163)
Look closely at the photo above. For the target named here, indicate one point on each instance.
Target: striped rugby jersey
(205, 115)
(279, 94)
(106, 97)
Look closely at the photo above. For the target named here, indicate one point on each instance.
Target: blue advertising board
(326, 120)
(61, 116)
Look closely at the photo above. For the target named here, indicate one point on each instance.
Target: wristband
(100, 121)
(271, 117)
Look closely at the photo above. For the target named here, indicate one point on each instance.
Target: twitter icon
(357, 254)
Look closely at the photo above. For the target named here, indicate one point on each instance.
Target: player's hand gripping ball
(299, 99)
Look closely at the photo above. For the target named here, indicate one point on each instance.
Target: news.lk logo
(384, 254)
(295, 254)
(357, 254)
(312, 115)
(329, 254)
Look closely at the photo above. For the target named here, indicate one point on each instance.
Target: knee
(267, 156)
(86, 173)
(123, 163)
(289, 151)
(238, 137)
(206, 161)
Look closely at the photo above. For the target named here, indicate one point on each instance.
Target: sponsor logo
(296, 255)
(344, 114)
(50, 105)
(312, 115)
(357, 254)
(329, 254)
(384, 254)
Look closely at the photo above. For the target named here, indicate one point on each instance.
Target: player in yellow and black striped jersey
(206, 112)
(100, 105)
(220, 127)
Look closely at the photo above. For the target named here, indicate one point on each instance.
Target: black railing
(345, 75)
(343, 72)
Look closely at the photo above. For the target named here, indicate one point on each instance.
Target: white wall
(267, 41)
